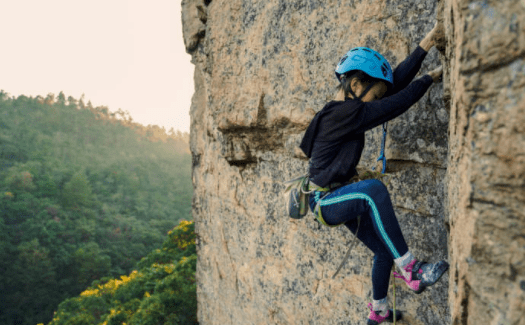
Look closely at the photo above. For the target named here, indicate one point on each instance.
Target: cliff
(486, 161)
(456, 159)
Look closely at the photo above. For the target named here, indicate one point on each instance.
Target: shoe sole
(442, 269)
(399, 316)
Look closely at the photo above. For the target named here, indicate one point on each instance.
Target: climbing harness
(382, 154)
(317, 209)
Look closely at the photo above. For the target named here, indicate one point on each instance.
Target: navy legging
(379, 229)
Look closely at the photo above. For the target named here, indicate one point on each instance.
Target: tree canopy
(161, 291)
(84, 194)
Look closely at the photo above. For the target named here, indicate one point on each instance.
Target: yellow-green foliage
(161, 291)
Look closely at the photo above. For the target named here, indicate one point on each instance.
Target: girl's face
(376, 92)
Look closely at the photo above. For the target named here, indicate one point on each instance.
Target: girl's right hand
(436, 73)
(438, 36)
(435, 37)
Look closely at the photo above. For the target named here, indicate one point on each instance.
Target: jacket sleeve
(355, 117)
(377, 112)
(407, 70)
(351, 117)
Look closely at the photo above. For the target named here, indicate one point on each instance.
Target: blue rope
(382, 154)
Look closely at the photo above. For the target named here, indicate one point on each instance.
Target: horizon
(86, 102)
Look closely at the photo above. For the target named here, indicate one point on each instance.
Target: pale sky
(126, 54)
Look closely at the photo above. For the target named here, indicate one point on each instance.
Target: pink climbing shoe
(375, 318)
(422, 275)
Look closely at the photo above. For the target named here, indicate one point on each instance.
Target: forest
(88, 198)
(161, 290)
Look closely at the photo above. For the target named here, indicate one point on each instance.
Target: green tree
(161, 291)
(77, 192)
(91, 264)
(20, 180)
(33, 273)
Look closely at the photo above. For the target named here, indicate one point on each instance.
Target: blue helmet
(368, 61)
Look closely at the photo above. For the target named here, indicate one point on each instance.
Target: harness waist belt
(314, 187)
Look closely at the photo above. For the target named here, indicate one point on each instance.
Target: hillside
(162, 290)
(84, 193)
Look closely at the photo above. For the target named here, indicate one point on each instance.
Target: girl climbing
(370, 94)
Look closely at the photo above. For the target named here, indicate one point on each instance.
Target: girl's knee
(375, 186)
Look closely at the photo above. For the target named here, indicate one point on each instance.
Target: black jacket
(335, 138)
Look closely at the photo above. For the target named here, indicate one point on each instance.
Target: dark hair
(346, 80)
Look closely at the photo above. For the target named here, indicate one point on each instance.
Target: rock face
(486, 163)
(262, 70)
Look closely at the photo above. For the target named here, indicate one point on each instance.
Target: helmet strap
(367, 89)
(351, 93)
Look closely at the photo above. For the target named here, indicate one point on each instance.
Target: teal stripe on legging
(353, 196)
